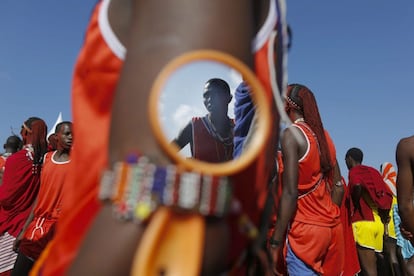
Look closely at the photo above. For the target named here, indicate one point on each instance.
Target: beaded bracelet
(137, 187)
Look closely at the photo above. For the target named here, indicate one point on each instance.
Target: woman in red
(309, 206)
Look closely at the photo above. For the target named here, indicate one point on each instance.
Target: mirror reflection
(198, 107)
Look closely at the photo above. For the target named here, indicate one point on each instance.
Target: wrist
(273, 243)
(339, 184)
(137, 187)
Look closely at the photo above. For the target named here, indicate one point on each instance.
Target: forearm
(338, 190)
(26, 224)
(356, 195)
(406, 210)
(337, 193)
(100, 255)
(28, 220)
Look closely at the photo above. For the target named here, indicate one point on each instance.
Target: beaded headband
(292, 103)
(26, 128)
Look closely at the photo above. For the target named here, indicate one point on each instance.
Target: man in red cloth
(20, 187)
(371, 205)
(211, 136)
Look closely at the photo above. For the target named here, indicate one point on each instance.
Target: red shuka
(18, 192)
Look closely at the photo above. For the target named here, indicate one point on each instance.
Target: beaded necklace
(225, 140)
(299, 120)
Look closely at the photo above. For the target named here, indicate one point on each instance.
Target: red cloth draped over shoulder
(372, 182)
(93, 89)
(17, 193)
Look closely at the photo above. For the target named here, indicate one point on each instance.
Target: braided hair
(302, 99)
(38, 130)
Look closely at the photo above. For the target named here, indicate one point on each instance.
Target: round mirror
(209, 113)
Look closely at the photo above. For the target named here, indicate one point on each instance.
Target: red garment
(206, 147)
(352, 266)
(314, 204)
(48, 208)
(95, 77)
(18, 191)
(315, 234)
(369, 178)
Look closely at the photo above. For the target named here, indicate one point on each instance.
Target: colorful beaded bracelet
(137, 187)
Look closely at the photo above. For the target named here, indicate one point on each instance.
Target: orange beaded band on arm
(137, 187)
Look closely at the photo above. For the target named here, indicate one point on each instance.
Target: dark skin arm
(405, 164)
(291, 151)
(154, 47)
(337, 192)
(184, 137)
(356, 195)
(29, 219)
(157, 32)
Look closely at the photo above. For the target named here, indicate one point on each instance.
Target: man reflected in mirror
(211, 136)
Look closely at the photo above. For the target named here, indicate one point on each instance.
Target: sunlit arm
(338, 191)
(404, 159)
(288, 201)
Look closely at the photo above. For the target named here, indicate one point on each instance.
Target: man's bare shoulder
(407, 141)
(406, 146)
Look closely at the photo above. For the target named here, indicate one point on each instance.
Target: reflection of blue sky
(182, 97)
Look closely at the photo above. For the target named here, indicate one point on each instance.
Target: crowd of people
(111, 202)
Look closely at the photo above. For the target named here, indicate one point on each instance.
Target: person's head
(51, 142)
(300, 101)
(13, 144)
(216, 95)
(63, 136)
(353, 157)
(34, 131)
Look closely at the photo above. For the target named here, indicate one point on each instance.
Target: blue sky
(356, 56)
